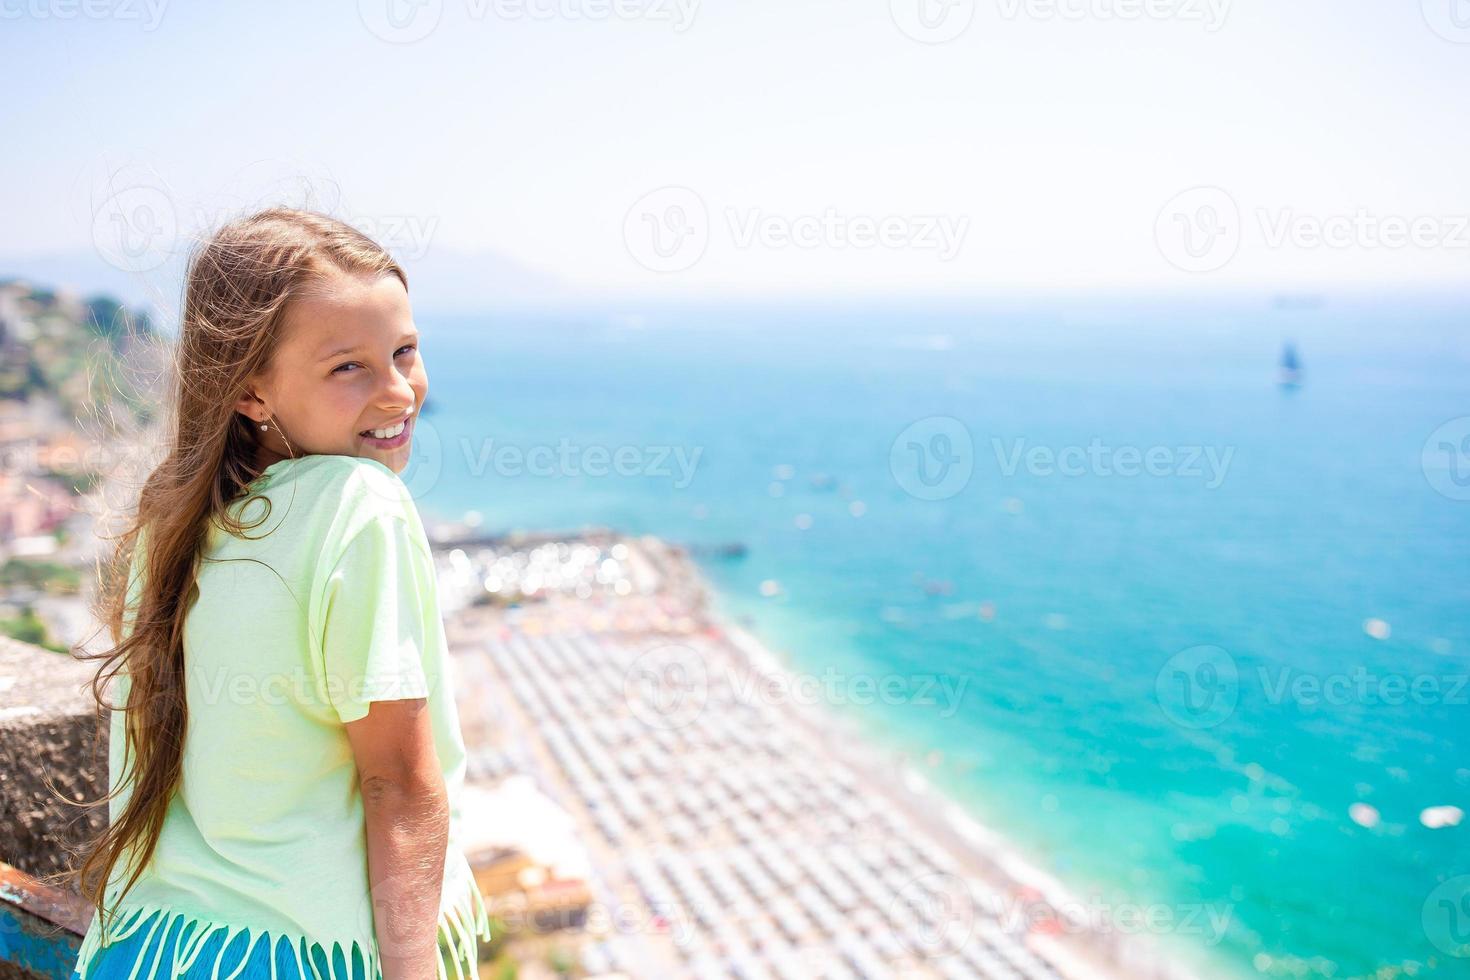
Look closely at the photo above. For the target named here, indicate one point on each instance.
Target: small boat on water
(1291, 367)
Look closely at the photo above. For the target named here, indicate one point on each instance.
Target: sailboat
(1291, 367)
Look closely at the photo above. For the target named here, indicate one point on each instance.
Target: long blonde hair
(238, 285)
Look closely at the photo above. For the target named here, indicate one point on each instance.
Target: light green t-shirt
(327, 605)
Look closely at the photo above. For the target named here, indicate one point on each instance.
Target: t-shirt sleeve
(379, 617)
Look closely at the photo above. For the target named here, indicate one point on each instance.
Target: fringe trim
(460, 925)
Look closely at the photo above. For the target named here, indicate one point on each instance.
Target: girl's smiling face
(347, 364)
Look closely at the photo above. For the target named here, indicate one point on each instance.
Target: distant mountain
(56, 345)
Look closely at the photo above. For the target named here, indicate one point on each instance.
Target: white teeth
(388, 433)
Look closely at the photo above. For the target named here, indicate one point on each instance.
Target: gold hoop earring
(289, 447)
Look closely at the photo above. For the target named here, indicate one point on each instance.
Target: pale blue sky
(1054, 140)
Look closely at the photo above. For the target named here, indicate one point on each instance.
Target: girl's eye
(400, 350)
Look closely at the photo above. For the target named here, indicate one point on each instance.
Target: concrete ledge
(52, 756)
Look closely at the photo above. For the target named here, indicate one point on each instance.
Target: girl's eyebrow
(411, 335)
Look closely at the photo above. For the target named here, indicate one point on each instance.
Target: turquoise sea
(1223, 615)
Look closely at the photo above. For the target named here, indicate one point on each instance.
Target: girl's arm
(407, 812)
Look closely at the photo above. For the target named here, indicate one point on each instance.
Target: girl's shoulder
(339, 479)
(356, 491)
(336, 496)
(351, 472)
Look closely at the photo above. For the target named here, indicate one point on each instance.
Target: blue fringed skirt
(147, 951)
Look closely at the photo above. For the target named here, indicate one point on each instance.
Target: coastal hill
(73, 377)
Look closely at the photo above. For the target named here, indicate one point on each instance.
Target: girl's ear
(250, 406)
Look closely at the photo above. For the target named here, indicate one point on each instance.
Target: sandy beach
(734, 828)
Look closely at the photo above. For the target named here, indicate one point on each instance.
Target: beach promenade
(733, 833)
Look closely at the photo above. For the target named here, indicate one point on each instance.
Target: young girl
(286, 755)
